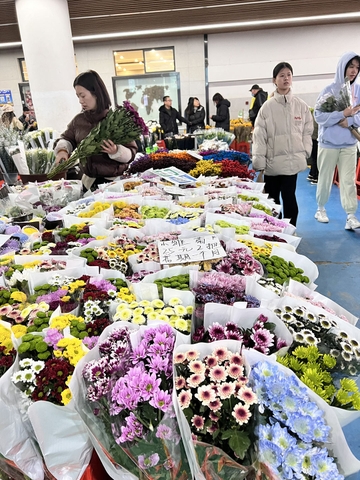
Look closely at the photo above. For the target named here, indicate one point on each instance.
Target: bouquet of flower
(128, 379)
(214, 402)
(295, 436)
(122, 126)
(7, 351)
(335, 101)
(323, 355)
(39, 160)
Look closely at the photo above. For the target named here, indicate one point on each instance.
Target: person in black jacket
(195, 114)
(260, 98)
(222, 117)
(168, 116)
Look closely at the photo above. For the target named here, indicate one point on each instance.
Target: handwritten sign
(193, 249)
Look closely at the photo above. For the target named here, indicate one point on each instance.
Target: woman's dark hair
(348, 63)
(190, 106)
(92, 81)
(280, 66)
(217, 97)
(26, 108)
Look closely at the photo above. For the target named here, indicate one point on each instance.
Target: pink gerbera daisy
(5, 310)
(218, 374)
(235, 371)
(184, 398)
(196, 366)
(217, 331)
(180, 383)
(213, 417)
(247, 395)
(212, 429)
(222, 353)
(195, 379)
(198, 422)
(241, 413)
(205, 394)
(226, 390)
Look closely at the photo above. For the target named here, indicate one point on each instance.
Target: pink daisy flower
(5, 310)
(236, 358)
(241, 413)
(213, 417)
(217, 331)
(212, 429)
(235, 371)
(194, 437)
(205, 394)
(221, 353)
(195, 380)
(211, 361)
(184, 398)
(180, 383)
(192, 355)
(215, 405)
(247, 395)
(226, 390)
(196, 366)
(179, 358)
(263, 338)
(218, 374)
(198, 422)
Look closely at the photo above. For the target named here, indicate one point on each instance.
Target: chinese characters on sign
(184, 250)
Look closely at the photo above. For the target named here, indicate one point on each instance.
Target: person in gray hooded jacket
(337, 144)
(282, 141)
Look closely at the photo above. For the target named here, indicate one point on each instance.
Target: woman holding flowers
(113, 159)
(282, 141)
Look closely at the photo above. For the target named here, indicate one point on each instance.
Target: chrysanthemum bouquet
(293, 435)
(128, 388)
(323, 354)
(215, 402)
(7, 351)
(122, 125)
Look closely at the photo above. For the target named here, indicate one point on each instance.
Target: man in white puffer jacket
(282, 141)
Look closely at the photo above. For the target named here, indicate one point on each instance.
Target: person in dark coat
(195, 114)
(260, 98)
(222, 117)
(168, 116)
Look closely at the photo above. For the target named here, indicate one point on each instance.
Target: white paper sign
(192, 249)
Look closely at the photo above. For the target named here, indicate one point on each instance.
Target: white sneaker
(321, 216)
(352, 223)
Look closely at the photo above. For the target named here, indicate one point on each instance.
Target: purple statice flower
(252, 302)
(148, 462)
(90, 342)
(52, 337)
(217, 332)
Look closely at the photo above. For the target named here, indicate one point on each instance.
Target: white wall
(236, 61)
(239, 60)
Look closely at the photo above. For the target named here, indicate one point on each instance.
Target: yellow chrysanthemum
(19, 330)
(139, 319)
(124, 315)
(18, 297)
(66, 396)
(157, 303)
(181, 325)
(57, 353)
(174, 301)
(180, 310)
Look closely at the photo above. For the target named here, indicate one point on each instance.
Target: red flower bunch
(230, 168)
(92, 292)
(50, 382)
(99, 263)
(97, 326)
(6, 359)
(47, 237)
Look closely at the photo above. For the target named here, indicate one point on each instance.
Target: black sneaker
(314, 181)
(310, 177)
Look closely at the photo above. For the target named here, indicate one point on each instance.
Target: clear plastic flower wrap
(336, 100)
(122, 390)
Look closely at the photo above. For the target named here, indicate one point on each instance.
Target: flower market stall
(164, 327)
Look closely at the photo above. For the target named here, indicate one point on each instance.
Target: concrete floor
(336, 252)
